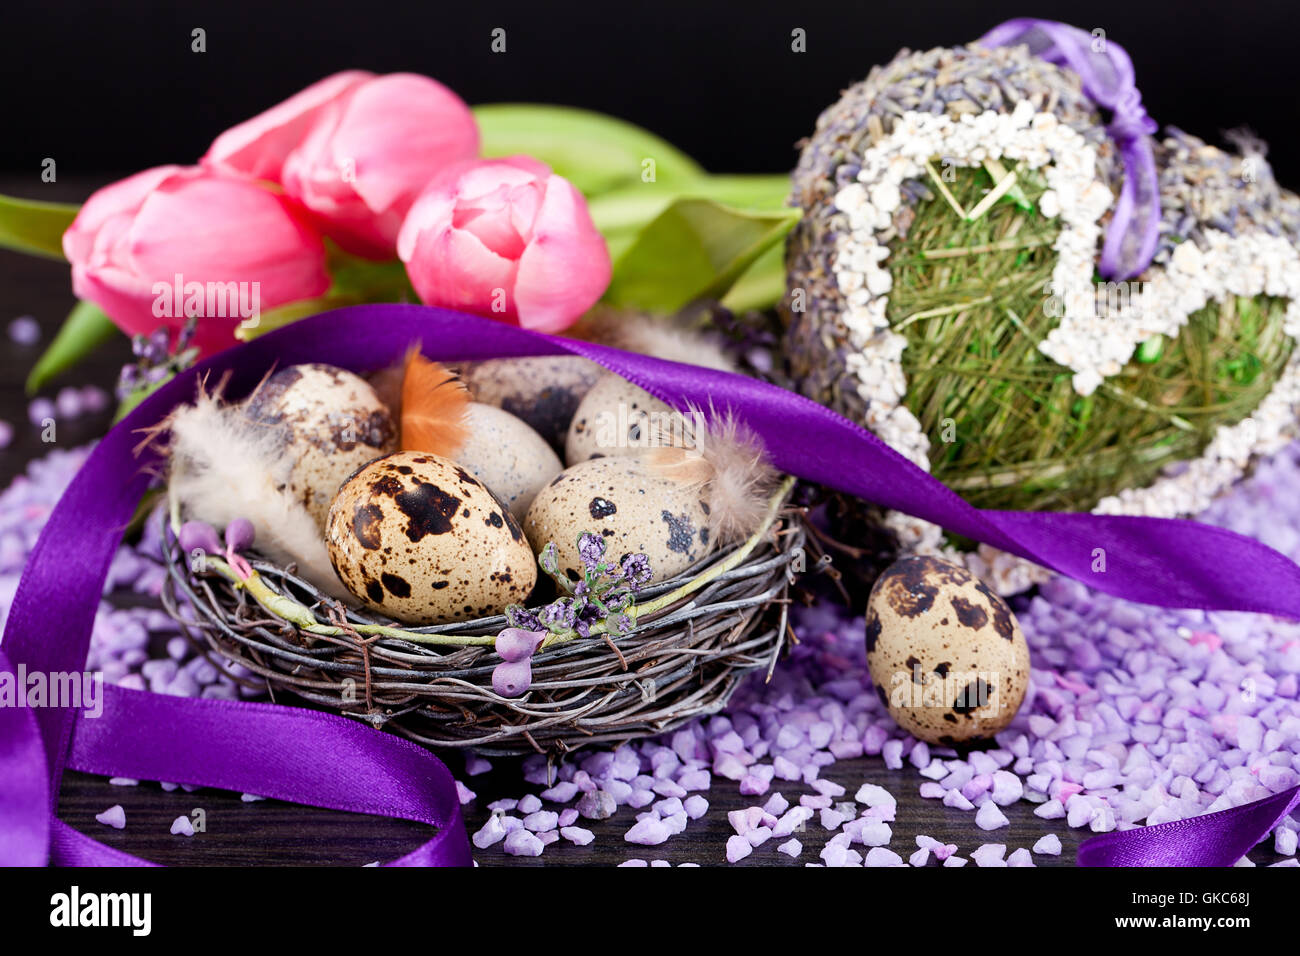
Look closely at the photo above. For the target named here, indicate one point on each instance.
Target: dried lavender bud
(636, 571)
(239, 535)
(512, 678)
(199, 536)
(558, 615)
(617, 598)
(515, 644)
(128, 380)
(523, 618)
(549, 559)
(591, 548)
(619, 624)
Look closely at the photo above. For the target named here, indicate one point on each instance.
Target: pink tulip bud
(517, 644)
(355, 149)
(174, 242)
(508, 239)
(512, 678)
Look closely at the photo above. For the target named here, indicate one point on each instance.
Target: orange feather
(434, 404)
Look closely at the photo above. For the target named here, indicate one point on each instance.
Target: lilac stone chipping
(1049, 845)
(648, 832)
(114, 817)
(738, 848)
(880, 856)
(989, 817)
(522, 842)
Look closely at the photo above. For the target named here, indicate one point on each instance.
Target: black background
(114, 87)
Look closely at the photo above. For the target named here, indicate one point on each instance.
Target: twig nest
(942, 291)
(418, 538)
(507, 456)
(543, 391)
(946, 654)
(330, 423)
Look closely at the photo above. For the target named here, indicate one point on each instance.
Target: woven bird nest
(695, 637)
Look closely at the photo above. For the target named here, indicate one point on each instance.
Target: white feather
(664, 337)
(224, 466)
(730, 467)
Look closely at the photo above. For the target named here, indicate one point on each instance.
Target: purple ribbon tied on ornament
(1107, 75)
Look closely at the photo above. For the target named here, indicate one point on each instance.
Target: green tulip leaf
(271, 319)
(595, 152)
(696, 248)
(36, 228)
(762, 285)
(85, 329)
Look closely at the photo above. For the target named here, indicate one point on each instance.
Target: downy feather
(223, 466)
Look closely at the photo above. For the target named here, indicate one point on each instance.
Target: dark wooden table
(270, 832)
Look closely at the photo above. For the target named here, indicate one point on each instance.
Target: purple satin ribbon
(1107, 74)
(331, 761)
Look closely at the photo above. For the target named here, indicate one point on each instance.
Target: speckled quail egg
(619, 418)
(418, 538)
(332, 421)
(945, 653)
(542, 390)
(507, 456)
(636, 509)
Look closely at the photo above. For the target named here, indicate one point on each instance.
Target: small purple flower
(512, 678)
(558, 614)
(199, 536)
(591, 548)
(549, 559)
(514, 644)
(636, 571)
(617, 599)
(523, 618)
(239, 534)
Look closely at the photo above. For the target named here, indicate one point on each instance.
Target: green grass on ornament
(1007, 429)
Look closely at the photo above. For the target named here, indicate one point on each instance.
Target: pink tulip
(355, 149)
(177, 241)
(508, 239)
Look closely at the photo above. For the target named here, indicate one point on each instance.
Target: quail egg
(332, 423)
(619, 418)
(418, 538)
(507, 456)
(636, 509)
(542, 390)
(945, 653)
